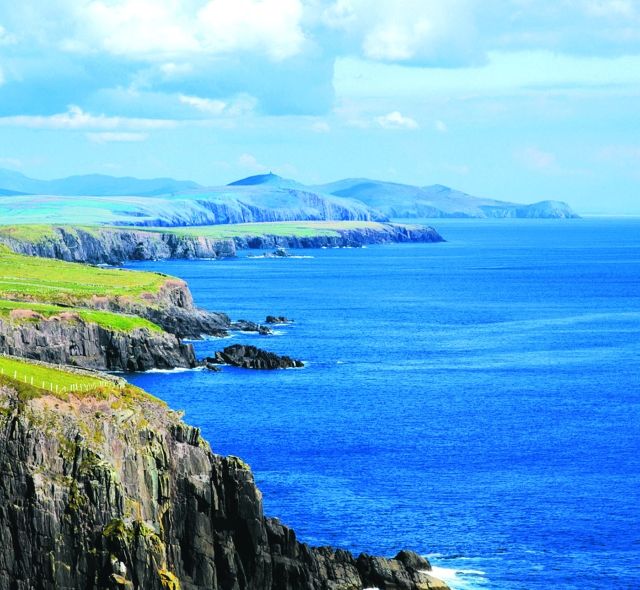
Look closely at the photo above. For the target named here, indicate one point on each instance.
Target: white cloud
(537, 159)
(7, 38)
(249, 162)
(611, 8)
(396, 120)
(156, 29)
(441, 126)
(76, 118)
(412, 30)
(115, 136)
(235, 107)
(320, 127)
(270, 25)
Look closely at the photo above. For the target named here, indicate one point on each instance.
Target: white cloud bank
(156, 29)
(76, 118)
(396, 120)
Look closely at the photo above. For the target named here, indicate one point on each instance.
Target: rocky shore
(251, 357)
(115, 246)
(115, 491)
(72, 341)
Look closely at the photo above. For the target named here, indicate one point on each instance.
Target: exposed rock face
(251, 357)
(107, 246)
(114, 246)
(76, 342)
(119, 493)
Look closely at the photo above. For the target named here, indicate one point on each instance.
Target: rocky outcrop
(172, 308)
(277, 319)
(115, 246)
(116, 492)
(111, 246)
(72, 341)
(247, 326)
(251, 357)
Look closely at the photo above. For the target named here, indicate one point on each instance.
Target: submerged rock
(251, 357)
(117, 492)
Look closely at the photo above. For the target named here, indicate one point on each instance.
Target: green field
(111, 321)
(28, 278)
(299, 229)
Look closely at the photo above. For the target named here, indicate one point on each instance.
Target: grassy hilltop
(34, 288)
(27, 278)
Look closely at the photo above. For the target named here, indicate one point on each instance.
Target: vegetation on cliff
(27, 278)
(107, 488)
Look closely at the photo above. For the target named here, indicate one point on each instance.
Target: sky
(519, 100)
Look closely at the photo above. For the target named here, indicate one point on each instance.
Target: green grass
(108, 320)
(53, 281)
(47, 378)
(28, 232)
(300, 229)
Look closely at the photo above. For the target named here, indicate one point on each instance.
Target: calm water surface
(477, 401)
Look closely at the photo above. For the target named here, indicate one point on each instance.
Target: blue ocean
(477, 401)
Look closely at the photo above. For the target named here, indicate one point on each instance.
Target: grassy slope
(40, 233)
(27, 278)
(301, 229)
(111, 321)
(18, 374)
(18, 370)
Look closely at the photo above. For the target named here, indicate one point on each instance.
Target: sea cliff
(69, 340)
(99, 245)
(110, 489)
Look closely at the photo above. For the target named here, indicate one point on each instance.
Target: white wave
(207, 337)
(176, 370)
(460, 579)
(300, 256)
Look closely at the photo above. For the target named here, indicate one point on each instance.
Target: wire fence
(52, 386)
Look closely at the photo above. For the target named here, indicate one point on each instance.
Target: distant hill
(96, 185)
(406, 201)
(98, 198)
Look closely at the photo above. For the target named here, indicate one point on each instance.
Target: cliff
(113, 490)
(69, 340)
(114, 246)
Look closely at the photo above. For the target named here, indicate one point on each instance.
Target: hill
(92, 199)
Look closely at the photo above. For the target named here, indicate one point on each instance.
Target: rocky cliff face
(106, 246)
(116, 492)
(110, 246)
(75, 342)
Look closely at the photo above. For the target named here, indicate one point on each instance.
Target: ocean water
(477, 401)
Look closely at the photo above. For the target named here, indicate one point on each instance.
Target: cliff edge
(110, 489)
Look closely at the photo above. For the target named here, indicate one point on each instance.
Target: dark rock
(102, 495)
(247, 326)
(251, 357)
(115, 246)
(277, 319)
(73, 341)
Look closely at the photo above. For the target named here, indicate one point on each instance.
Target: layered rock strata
(116, 492)
(115, 246)
(72, 341)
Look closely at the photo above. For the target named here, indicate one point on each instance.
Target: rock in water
(251, 357)
(117, 492)
(277, 319)
(247, 326)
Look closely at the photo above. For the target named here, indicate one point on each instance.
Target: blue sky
(513, 99)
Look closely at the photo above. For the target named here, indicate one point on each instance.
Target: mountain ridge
(263, 197)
